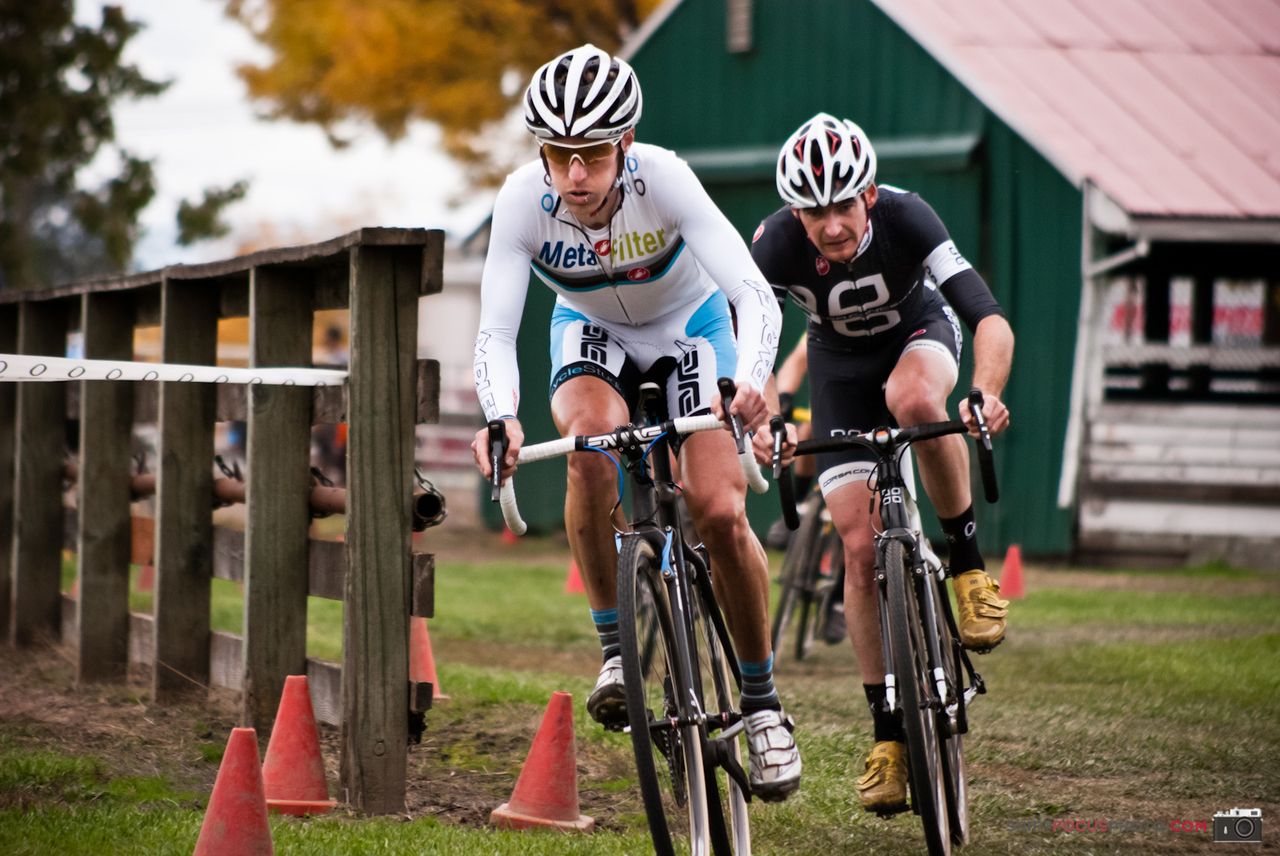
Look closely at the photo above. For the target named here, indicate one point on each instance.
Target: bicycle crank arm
(720, 754)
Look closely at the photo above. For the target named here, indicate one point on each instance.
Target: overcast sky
(202, 132)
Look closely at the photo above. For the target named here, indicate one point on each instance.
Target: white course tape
(23, 367)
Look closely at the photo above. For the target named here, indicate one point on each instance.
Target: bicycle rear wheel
(798, 571)
(668, 753)
(721, 685)
(912, 673)
(952, 722)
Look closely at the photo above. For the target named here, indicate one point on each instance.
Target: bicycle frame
(924, 682)
(688, 618)
(655, 517)
(900, 519)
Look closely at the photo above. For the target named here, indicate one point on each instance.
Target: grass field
(1125, 708)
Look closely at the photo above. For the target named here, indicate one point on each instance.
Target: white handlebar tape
(755, 479)
(510, 513)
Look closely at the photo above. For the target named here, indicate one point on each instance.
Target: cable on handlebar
(622, 476)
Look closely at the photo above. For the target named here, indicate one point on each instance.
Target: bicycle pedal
(890, 813)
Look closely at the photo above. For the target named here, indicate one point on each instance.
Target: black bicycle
(680, 672)
(929, 678)
(812, 571)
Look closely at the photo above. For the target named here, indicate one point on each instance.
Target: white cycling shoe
(608, 701)
(775, 760)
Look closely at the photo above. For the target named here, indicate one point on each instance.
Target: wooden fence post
(384, 285)
(8, 424)
(37, 521)
(184, 491)
(278, 512)
(106, 434)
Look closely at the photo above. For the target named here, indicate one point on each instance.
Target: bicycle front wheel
(668, 748)
(721, 685)
(912, 674)
(953, 721)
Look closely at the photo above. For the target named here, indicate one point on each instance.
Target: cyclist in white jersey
(645, 269)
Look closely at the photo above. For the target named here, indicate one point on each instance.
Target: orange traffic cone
(293, 770)
(235, 823)
(573, 580)
(546, 793)
(1011, 574)
(509, 537)
(422, 666)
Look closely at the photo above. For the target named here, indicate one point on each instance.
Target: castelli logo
(637, 274)
(759, 232)
(919, 332)
(602, 248)
(823, 266)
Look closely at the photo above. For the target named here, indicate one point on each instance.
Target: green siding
(1012, 215)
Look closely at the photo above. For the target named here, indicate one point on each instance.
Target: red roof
(1170, 107)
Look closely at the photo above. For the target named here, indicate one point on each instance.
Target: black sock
(962, 539)
(887, 726)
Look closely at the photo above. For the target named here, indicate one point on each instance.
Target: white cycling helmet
(583, 93)
(827, 160)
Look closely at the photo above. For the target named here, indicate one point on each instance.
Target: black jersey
(893, 281)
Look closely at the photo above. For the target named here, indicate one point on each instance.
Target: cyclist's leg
(917, 392)
(587, 397)
(715, 492)
(847, 397)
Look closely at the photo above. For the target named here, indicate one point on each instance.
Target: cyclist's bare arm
(992, 360)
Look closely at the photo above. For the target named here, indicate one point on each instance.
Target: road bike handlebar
(627, 435)
(755, 478)
(883, 441)
(986, 459)
(782, 475)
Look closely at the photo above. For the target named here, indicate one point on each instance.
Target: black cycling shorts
(846, 389)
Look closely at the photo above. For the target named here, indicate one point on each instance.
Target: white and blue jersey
(653, 286)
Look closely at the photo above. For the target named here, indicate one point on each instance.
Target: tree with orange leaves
(462, 65)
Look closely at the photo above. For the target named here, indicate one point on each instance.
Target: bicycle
(680, 673)
(812, 569)
(926, 667)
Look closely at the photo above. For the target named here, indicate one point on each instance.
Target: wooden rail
(378, 274)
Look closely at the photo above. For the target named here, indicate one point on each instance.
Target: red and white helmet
(585, 93)
(827, 160)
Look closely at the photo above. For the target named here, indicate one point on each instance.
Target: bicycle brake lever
(727, 391)
(779, 430)
(497, 449)
(986, 461)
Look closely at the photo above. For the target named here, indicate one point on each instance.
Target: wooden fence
(379, 275)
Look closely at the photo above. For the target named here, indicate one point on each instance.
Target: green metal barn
(1034, 129)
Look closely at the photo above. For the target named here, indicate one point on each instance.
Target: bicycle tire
(795, 575)
(911, 670)
(819, 590)
(721, 685)
(668, 757)
(952, 725)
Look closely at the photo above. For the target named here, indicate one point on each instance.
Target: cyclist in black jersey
(882, 284)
